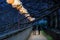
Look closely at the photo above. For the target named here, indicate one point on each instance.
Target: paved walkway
(20, 36)
(37, 37)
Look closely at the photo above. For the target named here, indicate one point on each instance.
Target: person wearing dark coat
(34, 29)
(39, 29)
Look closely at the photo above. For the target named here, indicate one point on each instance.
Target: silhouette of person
(34, 29)
(39, 29)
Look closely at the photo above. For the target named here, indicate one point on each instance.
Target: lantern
(10, 1)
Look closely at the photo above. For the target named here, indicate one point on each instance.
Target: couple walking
(36, 27)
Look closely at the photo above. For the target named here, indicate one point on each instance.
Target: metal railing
(42, 11)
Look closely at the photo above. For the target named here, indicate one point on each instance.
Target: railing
(12, 32)
(9, 29)
(42, 11)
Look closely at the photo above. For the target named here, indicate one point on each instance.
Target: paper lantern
(10, 1)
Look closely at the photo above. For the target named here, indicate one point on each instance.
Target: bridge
(14, 26)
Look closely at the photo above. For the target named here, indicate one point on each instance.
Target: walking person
(34, 29)
(39, 29)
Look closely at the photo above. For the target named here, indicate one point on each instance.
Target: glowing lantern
(18, 5)
(10, 1)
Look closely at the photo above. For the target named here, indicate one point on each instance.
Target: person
(34, 29)
(39, 29)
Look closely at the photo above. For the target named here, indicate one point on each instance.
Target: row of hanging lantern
(18, 5)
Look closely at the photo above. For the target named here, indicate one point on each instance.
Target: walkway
(37, 37)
